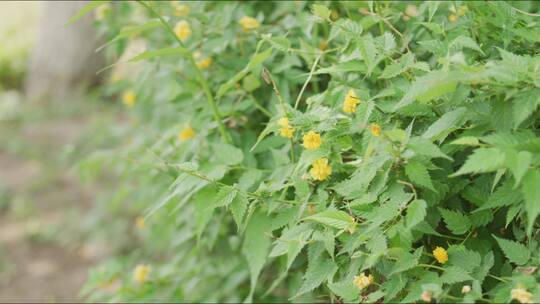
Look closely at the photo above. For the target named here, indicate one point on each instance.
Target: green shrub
(339, 151)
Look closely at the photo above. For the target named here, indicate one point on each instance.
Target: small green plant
(327, 152)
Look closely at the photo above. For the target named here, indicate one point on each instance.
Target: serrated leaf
(524, 106)
(461, 42)
(321, 11)
(425, 147)
(515, 252)
(429, 87)
(445, 124)
(225, 196)
(345, 290)
(228, 154)
(481, 161)
(418, 174)
(316, 274)
(256, 246)
(456, 222)
(406, 261)
(280, 43)
(238, 207)
(464, 258)
(454, 274)
(518, 163)
(416, 212)
(531, 195)
(334, 218)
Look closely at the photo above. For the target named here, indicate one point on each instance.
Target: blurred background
(50, 116)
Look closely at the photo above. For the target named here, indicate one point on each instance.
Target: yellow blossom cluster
(129, 98)
(286, 130)
(180, 9)
(320, 169)
(182, 30)
(521, 295)
(375, 130)
(187, 133)
(140, 273)
(202, 63)
(350, 102)
(312, 140)
(362, 281)
(440, 255)
(249, 23)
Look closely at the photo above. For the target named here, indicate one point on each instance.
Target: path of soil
(36, 269)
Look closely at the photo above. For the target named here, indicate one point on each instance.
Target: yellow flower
(182, 30)
(426, 296)
(140, 222)
(181, 10)
(375, 130)
(462, 10)
(102, 11)
(186, 134)
(141, 272)
(362, 281)
(466, 289)
(320, 169)
(129, 98)
(521, 295)
(452, 18)
(323, 45)
(249, 23)
(202, 63)
(115, 77)
(287, 132)
(312, 140)
(440, 255)
(350, 103)
(283, 121)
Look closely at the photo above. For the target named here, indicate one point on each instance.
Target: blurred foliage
(18, 25)
(418, 180)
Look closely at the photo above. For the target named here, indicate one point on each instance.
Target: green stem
(307, 80)
(202, 81)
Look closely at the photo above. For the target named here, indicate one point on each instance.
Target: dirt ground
(43, 257)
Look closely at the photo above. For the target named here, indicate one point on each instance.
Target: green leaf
(425, 147)
(228, 154)
(334, 218)
(456, 222)
(403, 64)
(446, 124)
(525, 105)
(515, 252)
(463, 257)
(280, 43)
(204, 208)
(454, 274)
(128, 31)
(256, 246)
(481, 161)
(345, 290)
(316, 274)
(416, 212)
(418, 174)
(531, 195)
(466, 141)
(225, 196)
(461, 42)
(518, 163)
(429, 87)
(406, 261)
(175, 51)
(90, 6)
(238, 207)
(321, 11)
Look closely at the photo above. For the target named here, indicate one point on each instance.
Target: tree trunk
(63, 61)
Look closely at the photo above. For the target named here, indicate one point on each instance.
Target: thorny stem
(202, 81)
